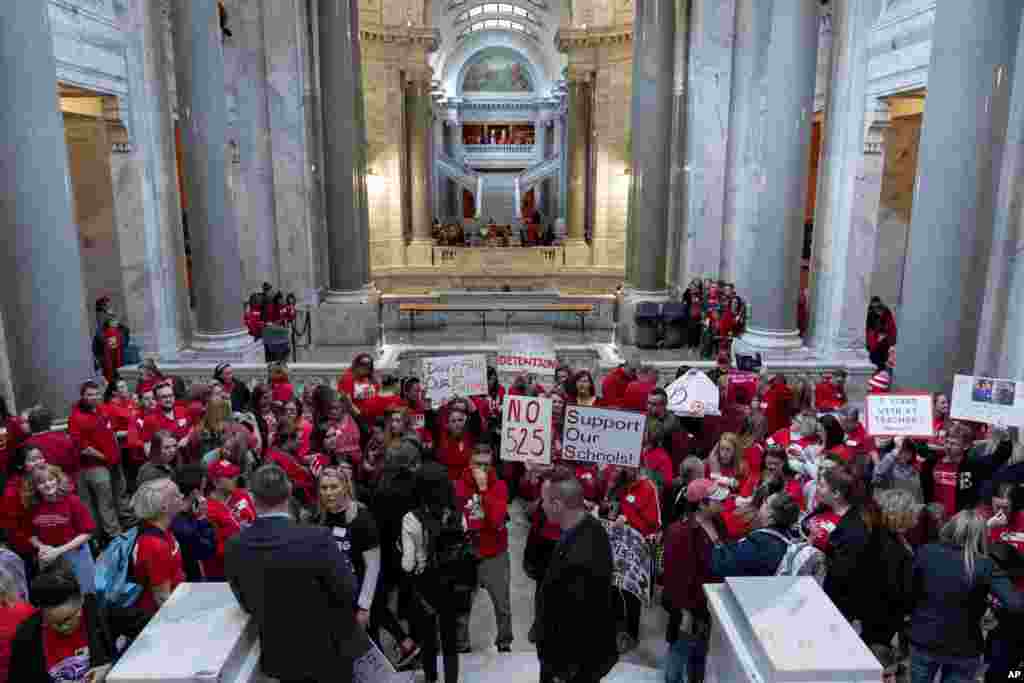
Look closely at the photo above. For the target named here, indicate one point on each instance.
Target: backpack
(801, 559)
(115, 585)
(451, 558)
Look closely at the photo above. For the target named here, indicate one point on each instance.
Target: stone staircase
(499, 199)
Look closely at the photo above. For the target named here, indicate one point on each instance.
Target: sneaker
(625, 643)
(406, 656)
(504, 648)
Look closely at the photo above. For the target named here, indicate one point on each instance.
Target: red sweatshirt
(635, 396)
(59, 449)
(485, 513)
(657, 459)
(156, 421)
(828, 396)
(455, 453)
(614, 386)
(11, 436)
(299, 476)
(225, 526)
(778, 411)
(92, 429)
(639, 503)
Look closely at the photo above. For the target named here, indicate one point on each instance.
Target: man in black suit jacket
(574, 626)
(294, 582)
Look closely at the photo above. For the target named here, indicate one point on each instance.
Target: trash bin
(675, 317)
(647, 317)
(276, 343)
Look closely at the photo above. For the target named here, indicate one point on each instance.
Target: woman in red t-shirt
(13, 513)
(222, 476)
(281, 388)
(60, 524)
(13, 611)
(358, 383)
(157, 564)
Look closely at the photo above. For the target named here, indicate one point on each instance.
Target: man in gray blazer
(296, 585)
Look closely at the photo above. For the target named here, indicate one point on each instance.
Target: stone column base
(625, 328)
(769, 342)
(577, 253)
(418, 252)
(234, 345)
(347, 319)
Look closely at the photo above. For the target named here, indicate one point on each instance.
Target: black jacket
(757, 554)
(575, 622)
(28, 662)
(947, 609)
(977, 467)
(852, 565)
(297, 586)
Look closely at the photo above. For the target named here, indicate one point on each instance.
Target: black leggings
(425, 627)
(381, 616)
(628, 608)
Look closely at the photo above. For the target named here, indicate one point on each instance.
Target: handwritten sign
(606, 437)
(631, 561)
(900, 415)
(526, 430)
(693, 394)
(450, 376)
(526, 353)
(374, 667)
(988, 400)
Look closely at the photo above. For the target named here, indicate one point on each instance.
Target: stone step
(518, 667)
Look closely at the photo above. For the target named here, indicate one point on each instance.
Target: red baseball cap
(223, 469)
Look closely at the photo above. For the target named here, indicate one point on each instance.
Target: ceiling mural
(497, 70)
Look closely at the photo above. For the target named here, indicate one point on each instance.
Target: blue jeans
(924, 665)
(685, 660)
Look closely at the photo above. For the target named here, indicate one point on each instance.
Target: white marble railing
(499, 149)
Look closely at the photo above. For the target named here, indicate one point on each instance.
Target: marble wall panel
(612, 128)
(902, 140)
(126, 174)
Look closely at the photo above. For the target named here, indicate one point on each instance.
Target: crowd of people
(919, 540)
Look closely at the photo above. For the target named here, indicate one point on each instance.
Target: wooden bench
(579, 310)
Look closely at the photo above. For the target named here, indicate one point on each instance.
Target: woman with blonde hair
(726, 464)
(14, 609)
(898, 513)
(952, 581)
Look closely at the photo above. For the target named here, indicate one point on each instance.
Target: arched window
(499, 24)
(497, 9)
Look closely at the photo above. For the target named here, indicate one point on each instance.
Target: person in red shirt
(56, 445)
(223, 479)
(778, 400)
(283, 454)
(455, 439)
(880, 326)
(288, 311)
(656, 458)
(1006, 641)
(61, 526)
(14, 518)
(168, 417)
(13, 431)
(13, 611)
(151, 376)
(293, 414)
(637, 497)
(157, 564)
(387, 399)
(830, 395)
(281, 388)
(580, 390)
(615, 382)
(111, 342)
(101, 481)
(358, 383)
(635, 396)
(483, 499)
(947, 479)
(253, 317)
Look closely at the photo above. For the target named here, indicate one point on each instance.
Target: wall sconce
(627, 170)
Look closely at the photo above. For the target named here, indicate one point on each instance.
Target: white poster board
(900, 415)
(694, 395)
(526, 354)
(631, 561)
(606, 437)
(526, 430)
(374, 667)
(450, 376)
(988, 400)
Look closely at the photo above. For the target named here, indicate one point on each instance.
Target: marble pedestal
(235, 346)
(782, 630)
(517, 667)
(577, 253)
(347, 319)
(625, 329)
(200, 634)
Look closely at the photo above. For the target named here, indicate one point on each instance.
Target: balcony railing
(499, 149)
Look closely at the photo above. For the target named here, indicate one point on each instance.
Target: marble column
(675, 246)
(653, 60)
(216, 259)
(47, 332)
(577, 146)
(1000, 351)
(708, 97)
(151, 129)
(418, 114)
(844, 239)
(962, 140)
(540, 140)
(347, 236)
(436, 150)
(255, 151)
(769, 136)
(360, 142)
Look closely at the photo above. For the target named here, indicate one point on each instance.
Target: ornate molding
(430, 38)
(573, 38)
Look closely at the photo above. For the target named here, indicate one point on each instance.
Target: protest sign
(526, 354)
(900, 415)
(988, 400)
(450, 376)
(526, 430)
(693, 394)
(606, 437)
(631, 560)
(375, 667)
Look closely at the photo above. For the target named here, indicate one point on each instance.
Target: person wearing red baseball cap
(223, 480)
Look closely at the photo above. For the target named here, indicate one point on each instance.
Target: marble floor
(486, 664)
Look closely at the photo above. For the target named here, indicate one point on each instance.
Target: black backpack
(451, 558)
